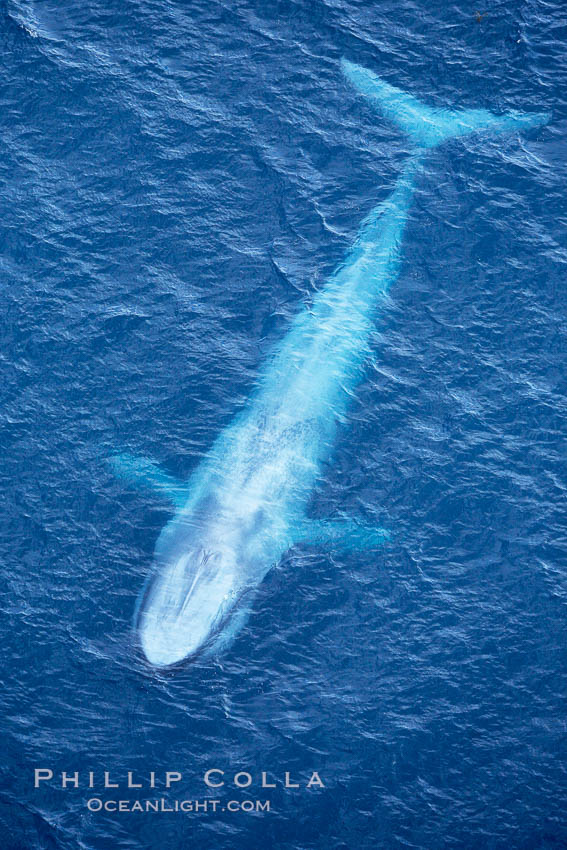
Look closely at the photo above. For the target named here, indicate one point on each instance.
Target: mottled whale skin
(245, 506)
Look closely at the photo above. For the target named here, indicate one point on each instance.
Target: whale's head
(188, 603)
(208, 562)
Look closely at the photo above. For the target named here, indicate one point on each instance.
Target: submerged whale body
(245, 505)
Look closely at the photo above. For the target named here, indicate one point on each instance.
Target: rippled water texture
(178, 179)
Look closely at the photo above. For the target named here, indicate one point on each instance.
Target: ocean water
(177, 180)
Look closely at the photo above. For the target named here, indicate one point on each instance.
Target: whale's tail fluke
(425, 125)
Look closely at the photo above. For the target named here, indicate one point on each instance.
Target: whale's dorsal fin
(347, 535)
(148, 475)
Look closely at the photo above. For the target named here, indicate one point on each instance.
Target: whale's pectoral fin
(340, 534)
(145, 473)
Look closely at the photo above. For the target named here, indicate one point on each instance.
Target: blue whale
(246, 504)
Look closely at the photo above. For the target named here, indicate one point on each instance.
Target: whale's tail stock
(427, 126)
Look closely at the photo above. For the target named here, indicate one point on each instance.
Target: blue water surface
(176, 180)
